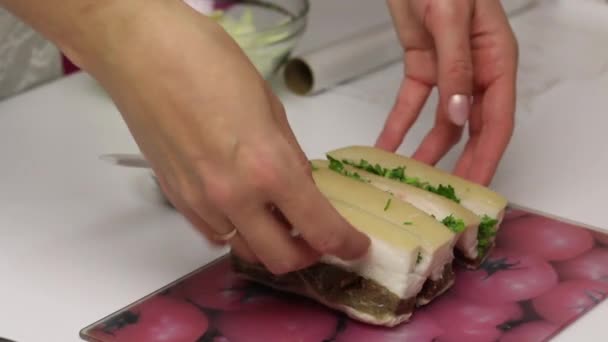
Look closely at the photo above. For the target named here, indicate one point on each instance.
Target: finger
(498, 105)
(271, 241)
(420, 75)
(440, 139)
(412, 96)
(238, 245)
(449, 23)
(464, 162)
(197, 207)
(407, 21)
(242, 250)
(304, 206)
(183, 209)
(466, 158)
(497, 128)
(219, 224)
(296, 196)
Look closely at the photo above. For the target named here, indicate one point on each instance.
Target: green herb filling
(388, 203)
(487, 230)
(337, 166)
(454, 224)
(398, 174)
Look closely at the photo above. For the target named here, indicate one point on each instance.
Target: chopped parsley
(388, 203)
(338, 166)
(335, 164)
(407, 223)
(365, 165)
(419, 258)
(398, 174)
(443, 190)
(375, 169)
(454, 224)
(313, 167)
(487, 230)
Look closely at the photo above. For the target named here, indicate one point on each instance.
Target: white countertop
(81, 238)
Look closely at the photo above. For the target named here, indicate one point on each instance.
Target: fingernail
(458, 109)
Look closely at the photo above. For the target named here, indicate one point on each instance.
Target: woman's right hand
(218, 139)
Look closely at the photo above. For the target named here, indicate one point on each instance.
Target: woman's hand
(218, 139)
(467, 49)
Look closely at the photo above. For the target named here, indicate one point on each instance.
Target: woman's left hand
(467, 49)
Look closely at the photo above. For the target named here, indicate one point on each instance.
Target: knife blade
(127, 160)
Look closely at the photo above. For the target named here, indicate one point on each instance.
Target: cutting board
(543, 275)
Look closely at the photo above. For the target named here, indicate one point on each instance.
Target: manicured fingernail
(458, 109)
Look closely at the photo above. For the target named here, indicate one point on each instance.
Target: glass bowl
(266, 30)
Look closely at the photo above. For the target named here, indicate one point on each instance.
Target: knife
(131, 160)
(125, 159)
